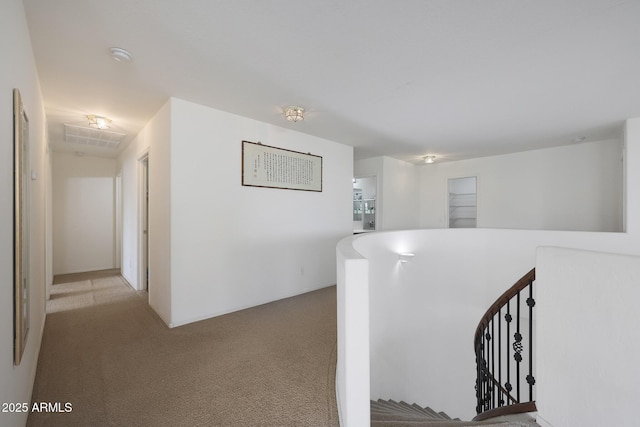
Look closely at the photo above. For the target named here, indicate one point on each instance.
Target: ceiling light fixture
(91, 136)
(405, 257)
(294, 114)
(429, 159)
(99, 122)
(120, 54)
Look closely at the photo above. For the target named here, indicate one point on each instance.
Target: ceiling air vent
(94, 137)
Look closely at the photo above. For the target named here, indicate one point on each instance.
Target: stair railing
(503, 343)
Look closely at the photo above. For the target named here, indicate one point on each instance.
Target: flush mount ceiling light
(429, 159)
(120, 55)
(91, 136)
(294, 114)
(98, 122)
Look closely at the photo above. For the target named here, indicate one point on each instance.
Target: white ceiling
(405, 78)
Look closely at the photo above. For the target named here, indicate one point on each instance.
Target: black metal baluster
(487, 391)
(493, 366)
(518, 347)
(477, 351)
(530, 378)
(500, 393)
(478, 377)
(508, 318)
(482, 373)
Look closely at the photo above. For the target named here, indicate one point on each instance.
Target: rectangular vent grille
(94, 137)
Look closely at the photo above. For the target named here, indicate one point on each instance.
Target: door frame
(143, 221)
(118, 219)
(378, 199)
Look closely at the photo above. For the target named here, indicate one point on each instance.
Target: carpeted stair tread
(403, 417)
(392, 407)
(433, 414)
(402, 406)
(445, 423)
(384, 406)
(375, 413)
(415, 408)
(419, 409)
(390, 410)
(447, 417)
(427, 411)
(389, 413)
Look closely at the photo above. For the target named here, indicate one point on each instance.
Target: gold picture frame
(21, 226)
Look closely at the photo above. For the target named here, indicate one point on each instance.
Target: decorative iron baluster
(508, 318)
(500, 392)
(481, 387)
(531, 303)
(495, 384)
(478, 378)
(517, 347)
(487, 389)
(493, 365)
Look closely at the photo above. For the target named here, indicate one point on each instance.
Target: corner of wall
(631, 170)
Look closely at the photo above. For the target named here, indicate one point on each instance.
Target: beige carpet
(72, 291)
(117, 364)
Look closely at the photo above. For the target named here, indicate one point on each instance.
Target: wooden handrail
(502, 301)
(518, 408)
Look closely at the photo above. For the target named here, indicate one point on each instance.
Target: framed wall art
(272, 167)
(21, 226)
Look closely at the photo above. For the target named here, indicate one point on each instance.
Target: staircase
(504, 361)
(389, 413)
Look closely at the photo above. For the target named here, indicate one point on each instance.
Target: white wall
(439, 297)
(423, 314)
(398, 194)
(154, 141)
(576, 187)
(216, 246)
(368, 186)
(587, 348)
(234, 247)
(84, 231)
(17, 70)
(352, 367)
(400, 188)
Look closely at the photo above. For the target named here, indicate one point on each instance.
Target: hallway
(114, 362)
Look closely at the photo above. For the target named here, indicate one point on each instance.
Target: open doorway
(365, 191)
(143, 271)
(463, 203)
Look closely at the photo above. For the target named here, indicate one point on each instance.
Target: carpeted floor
(117, 364)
